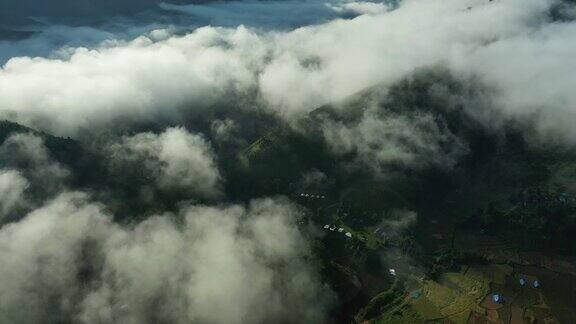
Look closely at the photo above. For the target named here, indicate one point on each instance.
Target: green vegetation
(504, 202)
(458, 295)
(389, 300)
(505, 196)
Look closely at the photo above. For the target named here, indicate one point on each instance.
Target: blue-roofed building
(536, 284)
(522, 282)
(497, 298)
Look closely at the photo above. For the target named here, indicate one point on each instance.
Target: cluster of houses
(311, 196)
(339, 230)
(523, 281)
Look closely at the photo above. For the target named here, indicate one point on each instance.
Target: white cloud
(534, 76)
(294, 71)
(68, 261)
(360, 7)
(397, 223)
(12, 187)
(382, 139)
(175, 158)
(140, 79)
(26, 153)
(40, 254)
(223, 129)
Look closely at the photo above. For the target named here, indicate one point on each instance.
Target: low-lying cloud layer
(176, 159)
(68, 261)
(295, 71)
(12, 187)
(380, 140)
(26, 152)
(64, 259)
